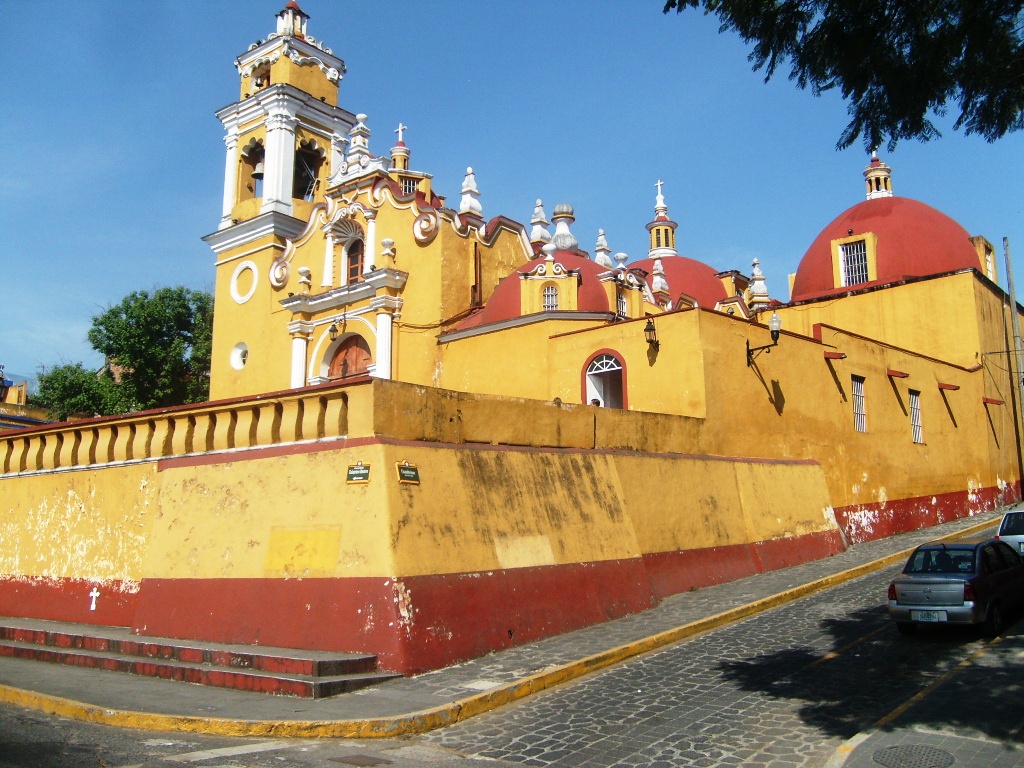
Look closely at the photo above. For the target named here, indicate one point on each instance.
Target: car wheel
(993, 621)
(906, 627)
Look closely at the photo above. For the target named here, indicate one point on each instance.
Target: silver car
(971, 581)
(1011, 529)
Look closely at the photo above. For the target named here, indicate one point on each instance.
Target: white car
(1011, 530)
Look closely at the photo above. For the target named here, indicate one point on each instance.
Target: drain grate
(913, 756)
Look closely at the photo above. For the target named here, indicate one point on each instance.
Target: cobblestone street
(785, 688)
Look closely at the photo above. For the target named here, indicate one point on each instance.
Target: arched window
(604, 382)
(351, 358)
(253, 155)
(308, 159)
(354, 262)
(550, 298)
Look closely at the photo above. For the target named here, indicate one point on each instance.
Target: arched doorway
(604, 382)
(351, 358)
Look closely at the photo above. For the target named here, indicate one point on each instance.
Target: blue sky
(111, 160)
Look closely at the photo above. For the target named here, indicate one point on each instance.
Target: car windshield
(941, 560)
(1013, 524)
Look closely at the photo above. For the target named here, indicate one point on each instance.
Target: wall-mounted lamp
(333, 331)
(651, 334)
(775, 327)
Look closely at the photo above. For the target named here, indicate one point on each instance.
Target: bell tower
(284, 138)
(286, 132)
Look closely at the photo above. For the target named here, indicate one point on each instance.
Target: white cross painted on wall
(94, 594)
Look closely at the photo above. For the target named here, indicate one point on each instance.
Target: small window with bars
(860, 411)
(854, 257)
(409, 186)
(550, 298)
(916, 430)
(620, 304)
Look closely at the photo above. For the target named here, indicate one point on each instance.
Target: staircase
(260, 669)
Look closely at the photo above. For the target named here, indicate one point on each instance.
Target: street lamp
(775, 328)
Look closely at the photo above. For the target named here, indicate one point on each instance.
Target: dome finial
(563, 238)
(662, 229)
(878, 177)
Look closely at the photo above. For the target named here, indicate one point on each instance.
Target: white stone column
(386, 308)
(383, 361)
(370, 246)
(279, 163)
(300, 342)
(230, 178)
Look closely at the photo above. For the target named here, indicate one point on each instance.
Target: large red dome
(913, 240)
(690, 277)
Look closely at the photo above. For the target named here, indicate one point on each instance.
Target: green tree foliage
(898, 63)
(157, 347)
(71, 390)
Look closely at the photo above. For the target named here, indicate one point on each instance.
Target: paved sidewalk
(417, 704)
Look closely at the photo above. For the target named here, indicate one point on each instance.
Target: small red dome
(506, 303)
(687, 276)
(913, 240)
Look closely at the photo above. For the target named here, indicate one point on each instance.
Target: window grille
(620, 303)
(915, 417)
(860, 413)
(604, 363)
(409, 186)
(550, 298)
(854, 258)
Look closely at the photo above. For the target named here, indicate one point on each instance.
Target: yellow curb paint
(438, 717)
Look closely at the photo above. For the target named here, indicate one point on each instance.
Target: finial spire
(470, 195)
(878, 178)
(758, 291)
(662, 229)
(602, 253)
(563, 238)
(400, 152)
(539, 233)
(359, 144)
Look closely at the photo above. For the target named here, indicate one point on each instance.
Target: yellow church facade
(432, 434)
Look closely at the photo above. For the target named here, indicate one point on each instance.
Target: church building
(433, 433)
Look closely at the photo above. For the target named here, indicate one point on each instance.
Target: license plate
(928, 615)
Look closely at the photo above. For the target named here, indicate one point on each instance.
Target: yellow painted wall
(477, 507)
(937, 317)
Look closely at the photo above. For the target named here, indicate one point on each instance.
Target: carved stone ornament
(280, 270)
(332, 74)
(425, 227)
(247, 70)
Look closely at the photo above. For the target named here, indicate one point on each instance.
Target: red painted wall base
(419, 623)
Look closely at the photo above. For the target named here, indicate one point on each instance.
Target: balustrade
(293, 417)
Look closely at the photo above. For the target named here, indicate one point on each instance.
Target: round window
(239, 356)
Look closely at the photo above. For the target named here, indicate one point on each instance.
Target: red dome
(913, 240)
(687, 276)
(505, 303)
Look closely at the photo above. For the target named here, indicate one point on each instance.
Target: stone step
(262, 669)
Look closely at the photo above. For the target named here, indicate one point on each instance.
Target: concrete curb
(456, 711)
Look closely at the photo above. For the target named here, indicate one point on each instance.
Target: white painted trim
(235, 294)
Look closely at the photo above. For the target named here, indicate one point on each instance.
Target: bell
(257, 172)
